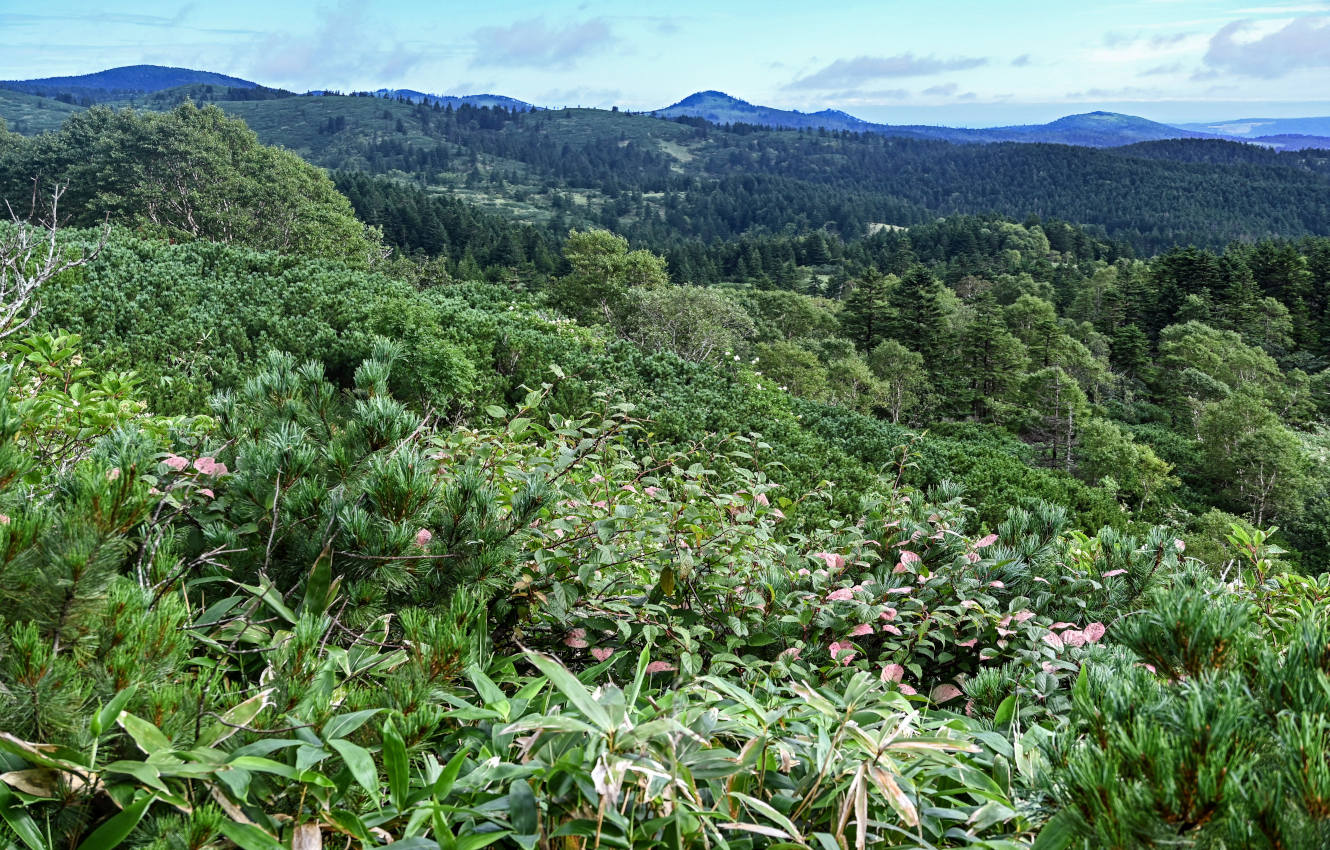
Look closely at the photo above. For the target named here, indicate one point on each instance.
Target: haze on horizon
(960, 62)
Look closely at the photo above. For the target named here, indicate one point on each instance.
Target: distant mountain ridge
(720, 108)
(1091, 129)
(1265, 127)
(130, 79)
(480, 100)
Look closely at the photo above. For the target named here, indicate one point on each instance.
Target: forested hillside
(403, 507)
(664, 182)
(659, 181)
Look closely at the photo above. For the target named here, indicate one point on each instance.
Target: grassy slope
(29, 114)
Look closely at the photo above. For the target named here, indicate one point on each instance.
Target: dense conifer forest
(581, 479)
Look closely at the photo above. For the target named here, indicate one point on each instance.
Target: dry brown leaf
(307, 837)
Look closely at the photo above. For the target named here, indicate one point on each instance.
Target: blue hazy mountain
(720, 108)
(1259, 127)
(482, 100)
(116, 83)
(1092, 129)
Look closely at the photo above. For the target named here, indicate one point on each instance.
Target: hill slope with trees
(959, 535)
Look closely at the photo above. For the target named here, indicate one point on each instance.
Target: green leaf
(576, 693)
(273, 599)
(395, 763)
(316, 586)
(344, 724)
(523, 812)
(1005, 711)
(118, 828)
(667, 581)
(248, 836)
(1057, 834)
(149, 738)
(19, 820)
(103, 719)
(772, 813)
(142, 771)
(475, 841)
(1081, 690)
(236, 716)
(360, 763)
(444, 784)
(495, 411)
(643, 659)
(489, 692)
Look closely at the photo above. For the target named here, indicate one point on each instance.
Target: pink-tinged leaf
(833, 560)
(576, 639)
(843, 653)
(601, 653)
(659, 667)
(968, 643)
(986, 541)
(1094, 632)
(907, 690)
(1112, 573)
(423, 537)
(840, 594)
(861, 629)
(1053, 640)
(908, 557)
(892, 673)
(944, 693)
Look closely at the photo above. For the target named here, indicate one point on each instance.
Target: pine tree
(991, 359)
(919, 316)
(864, 317)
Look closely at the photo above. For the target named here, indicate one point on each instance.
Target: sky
(958, 62)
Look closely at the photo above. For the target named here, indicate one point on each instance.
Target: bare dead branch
(30, 257)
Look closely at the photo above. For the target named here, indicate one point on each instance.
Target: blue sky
(973, 62)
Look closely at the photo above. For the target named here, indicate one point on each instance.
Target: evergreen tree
(865, 315)
(919, 316)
